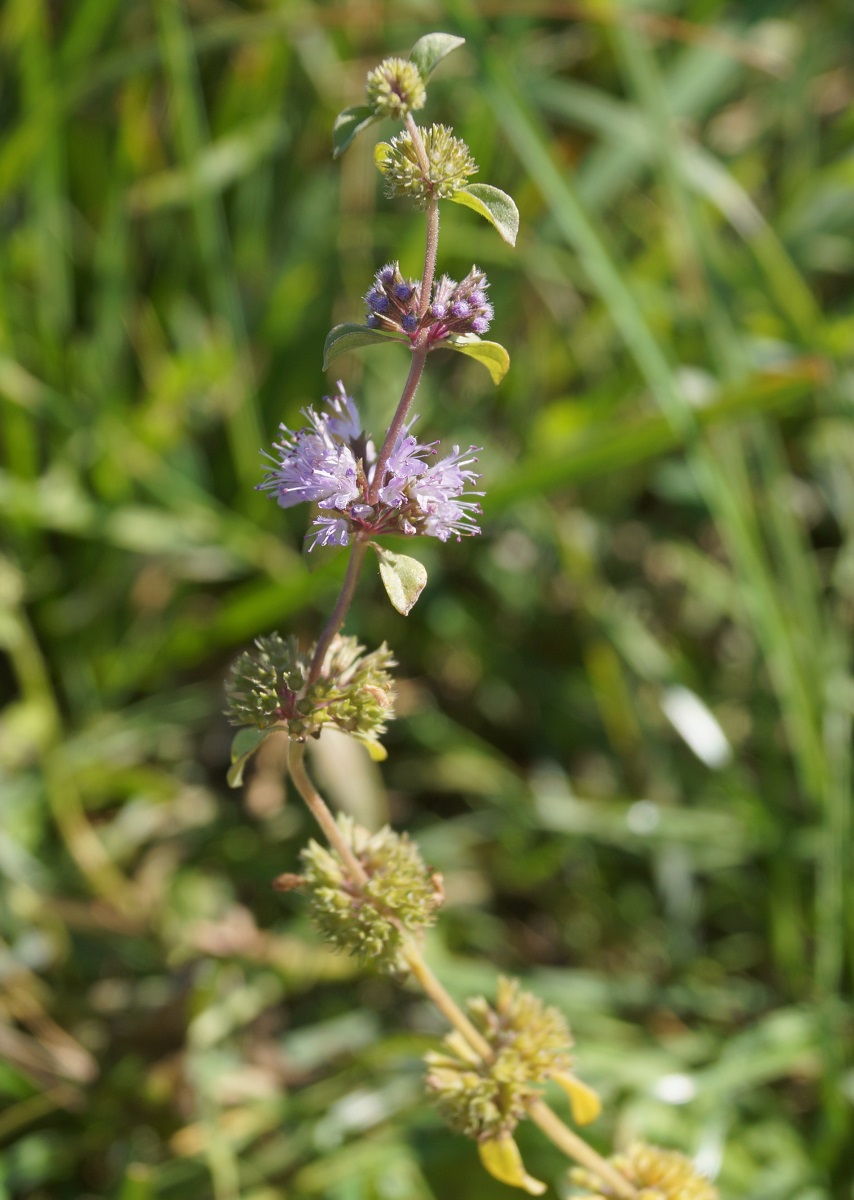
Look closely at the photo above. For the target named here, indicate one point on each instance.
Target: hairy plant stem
(561, 1135)
(575, 1147)
(416, 369)
(446, 1005)
(339, 612)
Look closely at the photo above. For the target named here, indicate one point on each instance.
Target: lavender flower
(394, 305)
(332, 463)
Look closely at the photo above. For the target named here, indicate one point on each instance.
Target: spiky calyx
(657, 1174)
(530, 1042)
(449, 164)
(354, 692)
(371, 921)
(395, 88)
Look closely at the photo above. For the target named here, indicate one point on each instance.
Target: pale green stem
(561, 1135)
(575, 1147)
(339, 612)
(319, 810)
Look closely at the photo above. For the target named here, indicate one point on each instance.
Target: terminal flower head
(395, 88)
(331, 462)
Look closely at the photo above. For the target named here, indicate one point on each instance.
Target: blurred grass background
(625, 734)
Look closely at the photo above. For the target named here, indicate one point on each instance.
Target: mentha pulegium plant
(371, 893)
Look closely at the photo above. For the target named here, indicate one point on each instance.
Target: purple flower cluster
(331, 463)
(394, 305)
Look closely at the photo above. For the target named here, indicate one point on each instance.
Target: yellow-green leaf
(585, 1103)
(498, 208)
(501, 1158)
(404, 578)
(491, 355)
(376, 750)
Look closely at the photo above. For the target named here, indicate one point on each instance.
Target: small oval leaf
(492, 355)
(404, 578)
(429, 51)
(498, 208)
(501, 1158)
(348, 123)
(246, 741)
(376, 750)
(350, 336)
(585, 1103)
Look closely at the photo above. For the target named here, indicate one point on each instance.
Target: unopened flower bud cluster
(447, 168)
(371, 920)
(354, 692)
(395, 88)
(531, 1043)
(656, 1174)
(394, 305)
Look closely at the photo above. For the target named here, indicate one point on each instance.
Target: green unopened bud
(354, 691)
(263, 685)
(656, 1174)
(530, 1043)
(449, 164)
(395, 88)
(372, 920)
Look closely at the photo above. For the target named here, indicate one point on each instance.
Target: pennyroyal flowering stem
(339, 612)
(445, 1003)
(560, 1134)
(416, 370)
(575, 1147)
(371, 893)
(319, 810)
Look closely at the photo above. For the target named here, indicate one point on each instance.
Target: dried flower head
(531, 1043)
(371, 921)
(394, 305)
(395, 88)
(354, 692)
(657, 1174)
(332, 461)
(449, 164)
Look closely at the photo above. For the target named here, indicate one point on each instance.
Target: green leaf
(348, 123)
(491, 354)
(246, 742)
(498, 208)
(429, 51)
(350, 336)
(404, 578)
